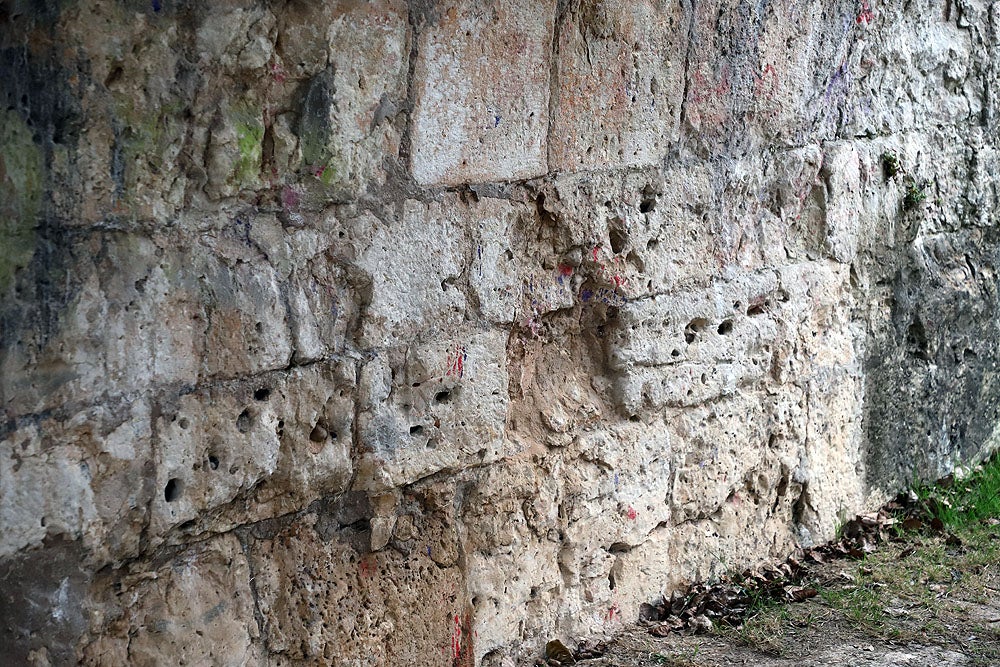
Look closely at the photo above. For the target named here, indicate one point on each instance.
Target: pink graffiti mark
(766, 83)
(866, 15)
(702, 90)
(278, 73)
(319, 171)
(615, 611)
(290, 198)
(366, 568)
(632, 514)
(456, 362)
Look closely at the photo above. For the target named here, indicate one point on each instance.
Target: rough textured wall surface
(419, 333)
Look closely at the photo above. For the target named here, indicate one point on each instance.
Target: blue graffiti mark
(586, 295)
(428, 552)
(157, 6)
(496, 120)
(616, 480)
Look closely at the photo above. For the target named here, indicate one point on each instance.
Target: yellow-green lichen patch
(21, 176)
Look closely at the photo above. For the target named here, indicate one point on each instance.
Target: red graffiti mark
(456, 639)
(867, 15)
(614, 611)
(632, 514)
(565, 270)
(594, 252)
(455, 363)
(366, 568)
(617, 280)
(462, 652)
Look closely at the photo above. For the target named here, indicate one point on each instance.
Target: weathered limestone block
(263, 449)
(223, 455)
(345, 127)
(198, 608)
(129, 162)
(21, 194)
(44, 603)
(914, 79)
(413, 264)
(42, 488)
(155, 310)
(688, 348)
(328, 598)
(495, 275)
(443, 408)
(482, 92)
(620, 77)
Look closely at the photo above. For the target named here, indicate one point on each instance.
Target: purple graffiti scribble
(616, 480)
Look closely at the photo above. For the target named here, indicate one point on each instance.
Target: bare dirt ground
(919, 599)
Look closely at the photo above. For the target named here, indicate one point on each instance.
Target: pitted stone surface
(407, 332)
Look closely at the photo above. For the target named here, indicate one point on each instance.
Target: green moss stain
(21, 182)
(249, 139)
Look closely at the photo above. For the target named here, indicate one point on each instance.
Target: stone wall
(420, 333)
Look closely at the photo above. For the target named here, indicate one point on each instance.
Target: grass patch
(960, 503)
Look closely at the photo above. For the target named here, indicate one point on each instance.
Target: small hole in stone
(262, 394)
(243, 422)
(416, 430)
(618, 240)
(259, 327)
(213, 461)
(318, 434)
(647, 205)
(442, 397)
(172, 491)
(183, 422)
(675, 353)
(726, 327)
(757, 309)
(187, 525)
(42, 522)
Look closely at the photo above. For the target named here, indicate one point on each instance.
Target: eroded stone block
(482, 90)
(444, 409)
(197, 608)
(620, 78)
